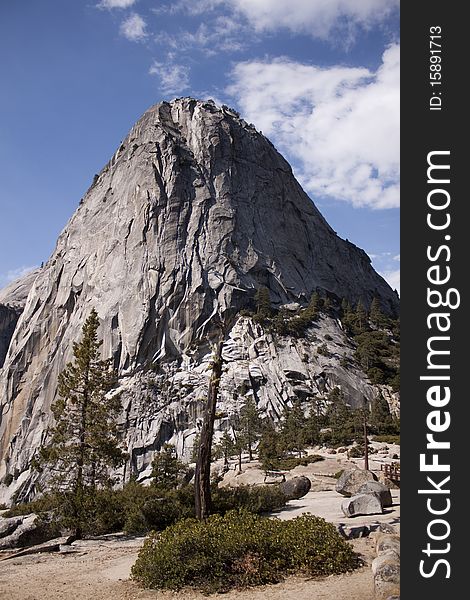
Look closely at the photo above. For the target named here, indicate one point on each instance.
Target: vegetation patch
(387, 439)
(240, 550)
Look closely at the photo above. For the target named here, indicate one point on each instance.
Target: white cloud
(14, 274)
(392, 278)
(340, 124)
(133, 28)
(222, 34)
(322, 19)
(116, 3)
(174, 78)
(318, 18)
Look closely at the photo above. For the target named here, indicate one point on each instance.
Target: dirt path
(99, 570)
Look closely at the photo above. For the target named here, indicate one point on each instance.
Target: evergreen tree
(269, 448)
(225, 448)
(167, 470)
(340, 419)
(240, 444)
(376, 315)
(83, 442)
(293, 429)
(360, 317)
(312, 429)
(263, 303)
(381, 420)
(250, 423)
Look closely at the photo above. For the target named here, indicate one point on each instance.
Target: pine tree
(269, 448)
(360, 317)
(381, 420)
(293, 429)
(225, 448)
(263, 303)
(167, 470)
(340, 419)
(376, 315)
(250, 423)
(84, 441)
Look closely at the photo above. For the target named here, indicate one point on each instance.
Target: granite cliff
(195, 211)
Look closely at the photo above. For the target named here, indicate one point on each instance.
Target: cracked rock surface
(193, 213)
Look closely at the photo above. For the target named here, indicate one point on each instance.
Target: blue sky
(320, 78)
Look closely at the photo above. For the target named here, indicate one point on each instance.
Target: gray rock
(8, 525)
(351, 480)
(12, 302)
(352, 533)
(363, 504)
(377, 488)
(386, 570)
(296, 487)
(28, 533)
(388, 543)
(177, 229)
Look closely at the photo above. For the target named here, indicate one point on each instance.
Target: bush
(240, 550)
(258, 499)
(286, 464)
(387, 439)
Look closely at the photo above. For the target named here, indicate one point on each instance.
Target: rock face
(351, 481)
(194, 212)
(12, 302)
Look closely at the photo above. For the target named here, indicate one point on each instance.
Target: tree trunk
(366, 446)
(203, 466)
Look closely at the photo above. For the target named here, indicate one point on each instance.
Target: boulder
(386, 543)
(362, 504)
(296, 487)
(29, 532)
(350, 481)
(8, 526)
(377, 488)
(386, 570)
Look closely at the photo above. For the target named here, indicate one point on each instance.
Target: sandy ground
(99, 569)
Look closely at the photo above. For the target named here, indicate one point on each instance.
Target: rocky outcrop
(194, 212)
(12, 302)
(23, 531)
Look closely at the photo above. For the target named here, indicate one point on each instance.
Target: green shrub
(286, 464)
(356, 452)
(240, 550)
(257, 499)
(43, 504)
(387, 439)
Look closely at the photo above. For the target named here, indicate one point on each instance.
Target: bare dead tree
(203, 464)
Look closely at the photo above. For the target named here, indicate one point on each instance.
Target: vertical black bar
(434, 119)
